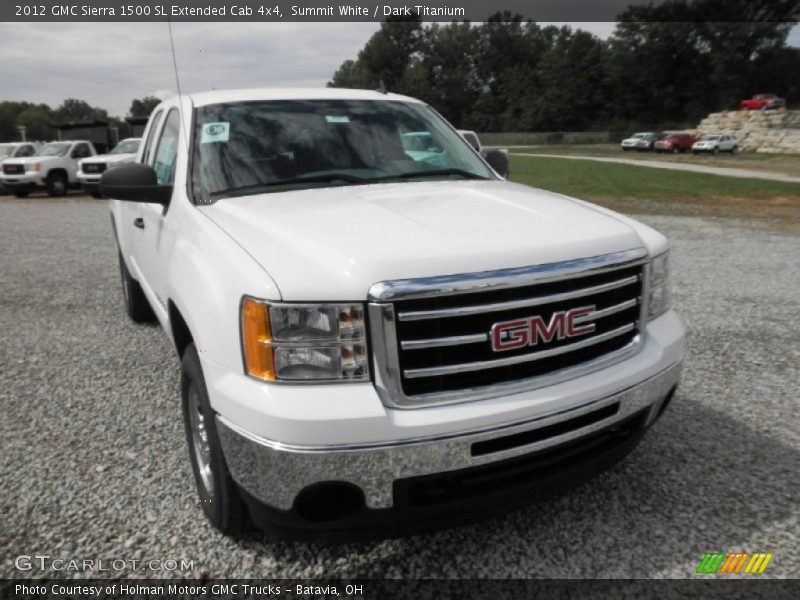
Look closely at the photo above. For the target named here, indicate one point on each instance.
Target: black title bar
(370, 10)
(372, 589)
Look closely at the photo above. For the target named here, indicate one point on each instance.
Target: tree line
(663, 67)
(40, 120)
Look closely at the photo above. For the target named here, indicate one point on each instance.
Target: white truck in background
(472, 139)
(15, 150)
(90, 169)
(53, 168)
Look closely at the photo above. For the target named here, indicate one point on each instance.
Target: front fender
(207, 276)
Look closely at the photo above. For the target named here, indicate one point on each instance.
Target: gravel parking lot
(94, 462)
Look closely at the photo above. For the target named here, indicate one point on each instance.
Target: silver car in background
(716, 144)
(640, 141)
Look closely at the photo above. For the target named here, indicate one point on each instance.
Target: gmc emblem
(510, 335)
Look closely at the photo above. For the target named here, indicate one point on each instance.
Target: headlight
(659, 298)
(35, 167)
(304, 342)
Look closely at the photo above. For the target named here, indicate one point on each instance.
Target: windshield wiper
(321, 178)
(433, 173)
(346, 177)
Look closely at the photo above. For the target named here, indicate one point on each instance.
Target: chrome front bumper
(275, 473)
(22, 180)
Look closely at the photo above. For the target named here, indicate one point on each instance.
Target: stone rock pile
(771, 131)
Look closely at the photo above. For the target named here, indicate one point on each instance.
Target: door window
(167, 149)
(26, 150)
(81, 151)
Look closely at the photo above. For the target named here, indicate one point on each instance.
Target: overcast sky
(110, 64)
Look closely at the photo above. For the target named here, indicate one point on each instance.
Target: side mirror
(134, 182)
(498, 160)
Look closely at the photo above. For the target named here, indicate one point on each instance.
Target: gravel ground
(94, 463)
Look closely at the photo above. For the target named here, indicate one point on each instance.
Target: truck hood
(334, 243)
(32, 159)
(110, 159)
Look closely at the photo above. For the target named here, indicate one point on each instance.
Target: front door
(154, 254)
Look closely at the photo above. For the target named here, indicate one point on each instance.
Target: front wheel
(21, 194)
(57, 184)
(715, 151)
(219, 495)
(97, 195)
(735, 150)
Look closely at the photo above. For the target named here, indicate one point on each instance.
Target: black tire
(734, 150)
(57, 184)
(21, 194)
(715, 151)
(219, 495)
(136, 304)
(696, 152)
(97, 195)
(676, 150)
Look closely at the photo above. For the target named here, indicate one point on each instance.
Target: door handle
(138, 222)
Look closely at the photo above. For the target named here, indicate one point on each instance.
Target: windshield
(126, 147)
(55, 149)
(6, 150)
(256, 147)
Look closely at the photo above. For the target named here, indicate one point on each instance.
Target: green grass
(634, 189)
(788, 164)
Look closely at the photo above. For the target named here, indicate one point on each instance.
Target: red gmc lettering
(547, 333)
(510, 335)
(572, 329)
(517, 335)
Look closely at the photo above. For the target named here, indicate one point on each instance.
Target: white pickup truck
(14, 150)
(372, 344)
(53, 168)
(90, 169)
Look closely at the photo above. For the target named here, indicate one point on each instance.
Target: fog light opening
(329, 501)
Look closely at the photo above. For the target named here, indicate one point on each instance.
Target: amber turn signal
(257, 340)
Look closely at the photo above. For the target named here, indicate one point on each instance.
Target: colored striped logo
(734, 562)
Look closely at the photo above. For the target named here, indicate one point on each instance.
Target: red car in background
(675, 142)
(762, 101)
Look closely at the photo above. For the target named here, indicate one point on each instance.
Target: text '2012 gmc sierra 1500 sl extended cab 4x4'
(375, 341)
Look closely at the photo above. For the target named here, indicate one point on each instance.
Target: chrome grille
(13, 169)
(434, 346)
(93, 168)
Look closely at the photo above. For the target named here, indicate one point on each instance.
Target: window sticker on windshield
(215, 132)
(337, 118)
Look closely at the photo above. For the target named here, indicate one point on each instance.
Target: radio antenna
(177, 84)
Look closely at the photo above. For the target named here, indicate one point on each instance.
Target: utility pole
(22, 130)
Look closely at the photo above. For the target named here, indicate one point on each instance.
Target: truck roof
(249, 95)
(66, 142)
